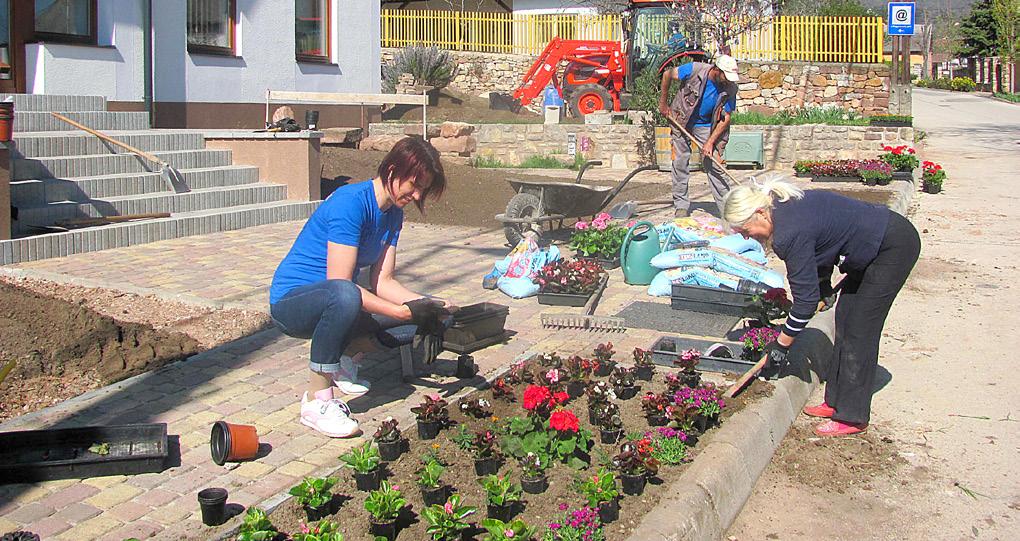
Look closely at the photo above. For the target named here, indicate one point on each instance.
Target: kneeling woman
(314, 292)
(813, 232)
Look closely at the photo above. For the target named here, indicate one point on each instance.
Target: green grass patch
(1008, 96)
(533, 162)
(812, 115)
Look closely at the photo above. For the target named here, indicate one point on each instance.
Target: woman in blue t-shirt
(314, 292)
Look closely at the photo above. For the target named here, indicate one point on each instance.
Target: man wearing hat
(703, 106)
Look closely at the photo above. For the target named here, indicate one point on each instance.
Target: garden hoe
(694, 145)
(169, 175)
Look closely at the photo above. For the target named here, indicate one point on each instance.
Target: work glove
(427, 315)
(777, 355)
(827, 302)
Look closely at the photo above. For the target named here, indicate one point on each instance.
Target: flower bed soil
(538, 509)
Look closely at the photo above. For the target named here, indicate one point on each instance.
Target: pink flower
(553, 375)
(396, 487)
(563, 507)
(508, 533)
(581, 226)
(448, 507)
(304, 528)
(631, 223)
(603, 217)
(601, 226)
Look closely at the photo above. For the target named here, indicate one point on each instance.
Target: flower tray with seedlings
(725, 357)
(525, 459)
(569, 283)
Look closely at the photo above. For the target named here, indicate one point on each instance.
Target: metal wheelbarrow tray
(44, 455)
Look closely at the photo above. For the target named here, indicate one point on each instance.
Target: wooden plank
(346, 99)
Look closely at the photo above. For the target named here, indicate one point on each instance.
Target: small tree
(978, 30)
(1007, 26)
(720, 21)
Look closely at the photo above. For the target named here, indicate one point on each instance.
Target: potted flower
(932, 177)
(365, 462)
(604, 363)
(768, 306)
(256, 526)
(802, 168)
(669, 445)
(599, 239)
(516, 530)
(835, 171)
(501, 494)
(684, 417)
(707, 402)
(533, 477)
(389, 440)
(316, 496)
(432, 415)
(502, 389)
(429, 480)
(655, 408)
(875, 173)
(577, 370)
(579, 524)
(482, 445)
(540, 401)
(644, 366)
(610, 424)
(326, 530)
(600, 490)
(566, 438)
(599, 392)
(622, 381)
(479, 408)
(635, 463)
(755, 341)
(447, 522)
(902, 159)
(568, 283)
(553, 378)
(688, 363)
(384, 506)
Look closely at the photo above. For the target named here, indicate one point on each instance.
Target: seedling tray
(475, 323)
(666, 348)
(44, 455)
(709, 300)
(817, 178)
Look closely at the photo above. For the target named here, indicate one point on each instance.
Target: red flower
(563, 420)
(560, 398)
(535, 396)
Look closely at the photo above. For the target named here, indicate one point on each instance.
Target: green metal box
(745, 148)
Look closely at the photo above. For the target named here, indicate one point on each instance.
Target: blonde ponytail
(742, 202)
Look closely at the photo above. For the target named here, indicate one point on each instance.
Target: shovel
(694, 143)
(169, 175)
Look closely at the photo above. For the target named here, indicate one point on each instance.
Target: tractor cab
(652, 37)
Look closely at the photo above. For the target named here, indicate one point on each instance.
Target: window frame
(56, 37)
(327, 30)
(199, 48)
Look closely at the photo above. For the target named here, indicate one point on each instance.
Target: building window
(211, 26)
(66, 20)
(311, 30)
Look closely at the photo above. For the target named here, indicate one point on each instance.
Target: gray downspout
(147, 58)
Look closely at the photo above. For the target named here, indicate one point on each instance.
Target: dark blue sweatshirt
(816, 233)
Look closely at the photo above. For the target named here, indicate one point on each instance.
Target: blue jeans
(329, 312)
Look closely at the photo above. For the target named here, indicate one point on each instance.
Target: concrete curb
(711, 493)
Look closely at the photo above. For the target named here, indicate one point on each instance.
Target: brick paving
(259, 379)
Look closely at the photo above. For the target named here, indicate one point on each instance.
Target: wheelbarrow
(540, 202)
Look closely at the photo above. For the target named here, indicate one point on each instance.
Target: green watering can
(637, 252)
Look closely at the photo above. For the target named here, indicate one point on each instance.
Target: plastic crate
(709, 300)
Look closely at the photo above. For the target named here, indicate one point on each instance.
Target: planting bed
(537, 510)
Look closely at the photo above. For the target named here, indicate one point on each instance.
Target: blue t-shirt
(704, 115)
(349, 216)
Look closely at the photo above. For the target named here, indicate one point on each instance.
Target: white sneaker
(347, 378)
(331, 417)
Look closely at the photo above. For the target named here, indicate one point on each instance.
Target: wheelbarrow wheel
(522, 205)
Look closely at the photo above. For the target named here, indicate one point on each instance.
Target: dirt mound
(836, 464)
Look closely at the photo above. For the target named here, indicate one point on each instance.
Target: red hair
(414, 158)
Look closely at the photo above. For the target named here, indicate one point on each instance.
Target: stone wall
(626, 146)
(481, 73)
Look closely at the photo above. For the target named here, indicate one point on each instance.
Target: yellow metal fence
(819, 39)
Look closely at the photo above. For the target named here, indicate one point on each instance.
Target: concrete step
(33, 121)
(93, 165)
(55, 102)
(78, 143)
(194, 201)
(127, 234)
(38, 192)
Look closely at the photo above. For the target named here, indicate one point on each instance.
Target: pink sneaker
(835, 428)
(822, 410)
(331, 417)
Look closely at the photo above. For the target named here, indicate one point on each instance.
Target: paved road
(952, 406)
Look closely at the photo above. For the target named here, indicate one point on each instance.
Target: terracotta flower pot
(232, 443)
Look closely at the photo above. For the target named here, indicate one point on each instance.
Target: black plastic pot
(592, 417)
(367, 481)
(692, 439)
(610, 436)
(633, 484)
(428, 430)
(317, 513)
(657, 420)
(575, 389)
(691, 379)
(534, 485)
(932, 188)
(433, 495)
(644, 373)
(871, 181)
(486, 466)
(609, 511)
(213, 503)
(605, 368)
(384, 529)
(390, 450)
(465, 367)
(500, 512)
(626, 393)
(703, 423)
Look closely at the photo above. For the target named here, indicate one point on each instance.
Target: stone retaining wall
(626, 146)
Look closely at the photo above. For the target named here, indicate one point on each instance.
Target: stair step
(99, 164)
(77, 143)
(55, 102)
(127, 234)
(36, 121)
(38, 192)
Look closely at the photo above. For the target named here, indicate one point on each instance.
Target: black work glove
(427, 315)
(777, 354)
(828, 301)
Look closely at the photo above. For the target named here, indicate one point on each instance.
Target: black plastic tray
(43, 455)
(563, 299)
(476, 322)
(607, 264)
(663, 355)
(816, 178)
(709, 300)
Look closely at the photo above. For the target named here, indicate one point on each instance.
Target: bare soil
(68, 340)
(836, 464)
(538, 509)
(457, 106)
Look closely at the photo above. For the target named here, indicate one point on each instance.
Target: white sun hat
(728, 65)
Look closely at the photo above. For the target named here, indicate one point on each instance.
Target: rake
(586, 321)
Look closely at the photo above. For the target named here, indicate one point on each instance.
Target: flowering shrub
(835, 168)
(482, 444)
(654, 404)
(622, 377)
(688, 360)
(599, 487)
(325, 530)
(708, 399)
(315, 492)
(604, 352)
(559, 438)
(599, 238)
(579, 277)
(533, 465)
(673, 381)
(635, 458)
(932, 174)
(445, 522)
(580, 525)
(577, 368)
(599, 392)
(900, 158)
(385, 504)
(881, 172)
(773, 304)
(501, 388)
(431, 410)
(757, 339)
(669, 445)
(540, 400)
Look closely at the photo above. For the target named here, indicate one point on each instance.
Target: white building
(192, 63)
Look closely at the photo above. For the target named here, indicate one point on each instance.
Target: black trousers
(864, 303)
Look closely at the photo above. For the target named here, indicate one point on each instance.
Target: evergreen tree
(978, 31)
